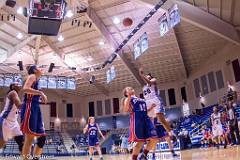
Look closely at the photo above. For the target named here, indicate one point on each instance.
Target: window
(236, 69)
(163, 96)
(115, 105)
(212, 81)
(184, 94)
(220, 80)
(53, 109)
(197, 87)
(108, 107)
(99, 108)
(69, 110)
(171, 95)
(204, 85)
(91, 109)
(141, 96)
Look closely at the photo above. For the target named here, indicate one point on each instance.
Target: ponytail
(11, 87)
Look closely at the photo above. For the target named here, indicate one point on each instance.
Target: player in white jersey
(9, 126)
(217, 127)
(154, 102)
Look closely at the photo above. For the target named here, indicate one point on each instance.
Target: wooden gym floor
(231, 153)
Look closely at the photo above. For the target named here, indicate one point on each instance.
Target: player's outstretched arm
(148, 81)
(15, 98)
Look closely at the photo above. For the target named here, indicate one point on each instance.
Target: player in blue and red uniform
(31, 117)
(141, 127)
(93, 129)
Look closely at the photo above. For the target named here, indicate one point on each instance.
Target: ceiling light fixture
(69, 13)
(101, 43)
(20, 10)
(19, 36)
(116, 20)
(60, 38)
(90, 59)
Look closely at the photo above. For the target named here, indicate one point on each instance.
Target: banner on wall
(8, 79)
(71, 83)
(43, 82)
(62, 83)
(52, 83)
(163, 22)
(1, 80)
(111, 74)
(169, 20)
(174, 16)
(140, 46)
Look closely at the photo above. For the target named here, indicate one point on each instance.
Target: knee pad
(19, 140)
(41, 141)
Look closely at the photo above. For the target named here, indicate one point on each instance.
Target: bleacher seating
(53, 140)
(196, 134)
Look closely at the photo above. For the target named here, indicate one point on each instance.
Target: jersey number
(147, 91)
(143, 107)
(92, 133)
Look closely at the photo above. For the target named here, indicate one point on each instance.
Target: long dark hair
(149, 74)
(11, 88)
(31, 69)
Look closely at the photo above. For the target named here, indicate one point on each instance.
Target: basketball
(127, 22)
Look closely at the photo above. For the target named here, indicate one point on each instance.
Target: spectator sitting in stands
(124, 144)
(73, 148)
(114, 149)
(207, 138)
(50, 141)
(58, 149)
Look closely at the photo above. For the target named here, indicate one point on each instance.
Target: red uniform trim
(25, 125)
(133, 137)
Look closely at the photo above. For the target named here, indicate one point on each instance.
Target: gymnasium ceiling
(170, 58)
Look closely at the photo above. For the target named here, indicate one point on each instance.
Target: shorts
(217, 130)
(93, 141)
(141, 128)
(161, 131)
(31, 119)
(159, 106)
(9, 130)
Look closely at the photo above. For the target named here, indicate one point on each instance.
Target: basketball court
(195, 154)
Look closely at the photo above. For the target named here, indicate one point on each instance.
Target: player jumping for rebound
(93, 129)
(9, 126)
(217, 128)
(31, 117)
(155, 103)
(141, 127)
